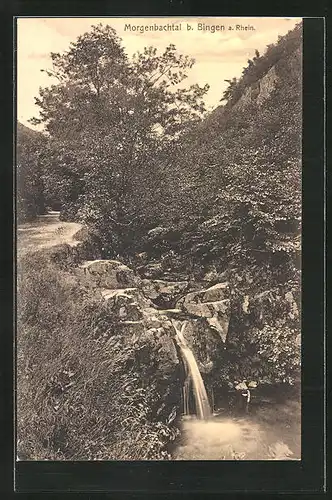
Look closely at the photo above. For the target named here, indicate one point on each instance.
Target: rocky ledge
(146, 307)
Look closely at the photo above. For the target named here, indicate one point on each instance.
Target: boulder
(213, 276)
(163, 293)
(215, 293)
(131, 307)
(220, 324)
(153, 318)
(167, 355)
(125, 304)
(203, 340)
(108, 274)
(205, 309)
(134, 295)
(211, 303)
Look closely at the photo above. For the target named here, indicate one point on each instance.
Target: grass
(83, 392)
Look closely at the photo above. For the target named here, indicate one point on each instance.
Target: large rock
(158, 232)
(204, 342)
(211, 303)
(213, 276)
(134, 295)
(220, 323)
(193, 301)
(129, 306)
(217, 292)
(153, 318)
(205, 309)
(125, 304)
(108, 274)
(164, 293)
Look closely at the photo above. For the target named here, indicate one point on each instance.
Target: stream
(270, 433)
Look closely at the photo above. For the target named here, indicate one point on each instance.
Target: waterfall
(200, 394)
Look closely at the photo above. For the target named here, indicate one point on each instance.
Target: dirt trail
(46, 232)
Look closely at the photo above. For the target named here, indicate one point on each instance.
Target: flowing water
(268, 432)
(201, 398)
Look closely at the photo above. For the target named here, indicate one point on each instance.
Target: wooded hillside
(215, 195)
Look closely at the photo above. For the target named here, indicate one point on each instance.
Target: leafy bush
(280, 356)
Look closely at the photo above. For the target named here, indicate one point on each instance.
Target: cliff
(235, 214)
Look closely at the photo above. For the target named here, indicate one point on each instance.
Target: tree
(111, 119)
(230, 91)
(30, 188)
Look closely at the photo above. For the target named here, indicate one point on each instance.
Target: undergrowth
(80, 395)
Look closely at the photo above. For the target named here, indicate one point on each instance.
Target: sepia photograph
(158, 208)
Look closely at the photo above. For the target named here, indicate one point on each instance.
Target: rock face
(164, 293)
(108, 274)
(133, 316)
(267, 85)
(132, 302)
(213, 304)
(142, 310)
(204, 341)
(259, 91)
(151, 271)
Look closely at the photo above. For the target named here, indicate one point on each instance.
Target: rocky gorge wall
(143, 308)
(222, 328)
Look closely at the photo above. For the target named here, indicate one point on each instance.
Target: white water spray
(201, 399)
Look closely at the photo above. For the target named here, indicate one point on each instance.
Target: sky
(219, 55)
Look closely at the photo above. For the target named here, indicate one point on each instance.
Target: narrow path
(45, 232)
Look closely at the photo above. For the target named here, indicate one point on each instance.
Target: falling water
(269, 434)
(201, 398)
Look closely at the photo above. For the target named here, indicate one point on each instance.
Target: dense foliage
(30, 196)
(243, 171)
(130, 150)
(112, 121)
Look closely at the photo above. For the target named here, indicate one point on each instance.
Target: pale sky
(220, 55)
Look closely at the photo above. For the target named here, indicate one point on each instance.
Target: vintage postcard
(158, 215)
